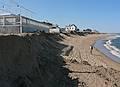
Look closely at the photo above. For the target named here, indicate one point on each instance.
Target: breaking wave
(112, 48)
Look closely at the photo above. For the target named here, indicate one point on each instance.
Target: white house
(70, 28)
(53, 28)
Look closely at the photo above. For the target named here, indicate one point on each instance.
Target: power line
(13, 6)
(20, 6)
(5, 7)
(5, 11)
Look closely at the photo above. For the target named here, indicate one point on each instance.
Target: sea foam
(114, 50)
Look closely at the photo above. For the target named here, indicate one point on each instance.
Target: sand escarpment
(32, 61)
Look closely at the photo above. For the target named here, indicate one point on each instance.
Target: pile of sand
(32, 61)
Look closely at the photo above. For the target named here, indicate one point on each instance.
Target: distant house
(18, 24)
(87, 31)
(62, 30)
(71, 28)
(53, 28)
(95, 32)
(90, 31)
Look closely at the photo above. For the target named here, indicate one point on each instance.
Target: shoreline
(81, 51)
(110, 62)
(99, 45)
(95, 70)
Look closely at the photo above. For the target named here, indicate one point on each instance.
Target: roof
(71, 25)
(4, 14)
(47, 23)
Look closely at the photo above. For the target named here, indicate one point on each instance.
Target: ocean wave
(114, 50)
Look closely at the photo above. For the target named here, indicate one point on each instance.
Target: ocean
(116, 42)
(113, 45)
(110, 47)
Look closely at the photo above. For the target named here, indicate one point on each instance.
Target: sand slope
(32, 61)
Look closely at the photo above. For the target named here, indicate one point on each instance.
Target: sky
(102, 15)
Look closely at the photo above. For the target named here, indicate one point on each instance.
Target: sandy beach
(91, 70)
(49, 60)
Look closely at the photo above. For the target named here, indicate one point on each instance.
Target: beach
(96, 70)
(55, 60)
(106, 48)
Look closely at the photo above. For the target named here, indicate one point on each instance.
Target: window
(9, 21)
(24, 21)
(1, 21)
(28, 21)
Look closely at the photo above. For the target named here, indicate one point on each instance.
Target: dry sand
(91, 70)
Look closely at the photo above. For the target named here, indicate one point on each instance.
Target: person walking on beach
(91, 49)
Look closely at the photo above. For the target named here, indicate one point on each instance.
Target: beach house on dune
(71, 28)
(18, 24)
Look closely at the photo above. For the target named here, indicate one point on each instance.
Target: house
(18, 24)
(95, 32)
(62, 30)
(90, 31)
(71, 28)
(87, 31)
(53, 28)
